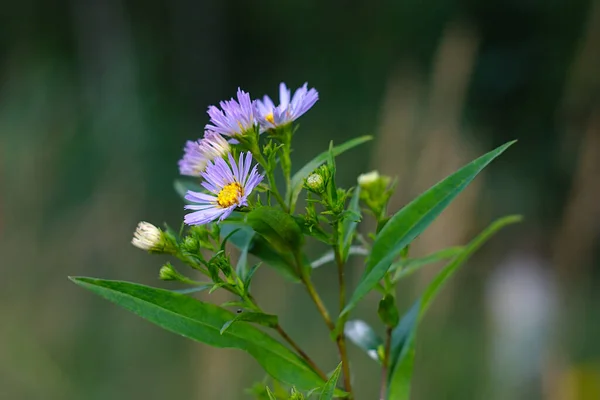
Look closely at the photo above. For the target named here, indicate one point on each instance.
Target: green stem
(273, 189)
(254, 305)
(385, 363)
(341, 337)
(312, 292)
(301, 352)
(270, 177)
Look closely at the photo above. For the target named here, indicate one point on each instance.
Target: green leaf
(329, 256)
(277, 227)
(403, 337)
(350, 223)
(387, 311)
(267, 320)
(270, 394)
(329, 388)
(259, 247)
(300, 176)
(202, 322)
(412, 220)
(248, 278)
(362, 335)
(407, 267)
(194, 289)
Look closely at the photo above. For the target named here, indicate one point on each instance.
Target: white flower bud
(147, 237)
(315, 182)
(368, 178)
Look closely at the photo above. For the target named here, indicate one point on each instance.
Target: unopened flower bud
(368, 179)
(316, 183)
(296, 395)
(375, 191)
(190, 244)
(168, 273)
(147, 237)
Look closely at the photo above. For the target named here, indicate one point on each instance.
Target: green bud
(381, 353)
(388, 313)
(375, 191)
(220, 262)
(190, 244)
(318, 180)
(296, 395)
(316, 183)
(372, 181)
(168, 273)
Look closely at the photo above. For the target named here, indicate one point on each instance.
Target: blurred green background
(97, 99)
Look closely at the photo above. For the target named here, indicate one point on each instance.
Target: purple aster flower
(235, 117)
(229, 186)
(271, 116)
(197, 154)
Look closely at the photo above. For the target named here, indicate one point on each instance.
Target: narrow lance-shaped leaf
(270, 394)
(202, 322)
(329, 256)
(329, 388)
(350, 223)
(277, 227)
(256, 245)
(412, 220)
(298, 178)
(403, 337)
(409, 266)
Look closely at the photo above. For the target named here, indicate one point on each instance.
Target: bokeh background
(98, 97)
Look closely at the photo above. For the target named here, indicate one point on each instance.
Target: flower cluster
(242, 136)
(233, 124)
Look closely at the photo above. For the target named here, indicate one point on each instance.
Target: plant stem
(273, 189)
(301, 352)
(252, 302)
(270, 177)
(312, 292)
(385, 363)
(341, 337)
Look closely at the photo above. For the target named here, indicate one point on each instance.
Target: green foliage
(268, 320)
(328, 390)
(250, 242)
(387, 311)
(403, 337)
(349, 225)
(304, 172)
(203, 322)
(409, 222)
(407, 267)
(278, 228)
(261, 223)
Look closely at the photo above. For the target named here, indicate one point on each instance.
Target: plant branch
(312, 292)
(301, 352)
(341, 337)
(385, 363)
(252, 301)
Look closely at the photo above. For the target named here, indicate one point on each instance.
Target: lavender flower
(198, 154)
(235, 118)
(229, 186)
(271, 116)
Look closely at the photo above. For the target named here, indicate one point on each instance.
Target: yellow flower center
(230, 195)
(269, 117)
